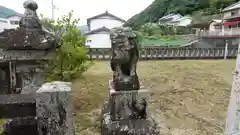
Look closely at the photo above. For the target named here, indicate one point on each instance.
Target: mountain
(160, 8)
(84, 29)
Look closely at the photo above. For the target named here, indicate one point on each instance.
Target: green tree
(71, 59)
(159, 8)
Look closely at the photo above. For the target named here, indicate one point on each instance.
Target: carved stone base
(126, 114)
(131, 83)
(127, 126)
(127, 104)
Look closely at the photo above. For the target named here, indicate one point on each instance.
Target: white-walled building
(215, 25)
(14, 20)
(9, 18)
(4, 24)
(99, 30)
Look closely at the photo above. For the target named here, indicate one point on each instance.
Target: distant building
(99, 28)
(215, 25)
(175, 19)
(229, 27)
(4, 24)
(12, 16)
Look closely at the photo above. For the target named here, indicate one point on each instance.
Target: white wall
(98, 40)
(185, 22)
(212, 27)
(14, 18)
(106, 21)
(4, 24)
(228, 14)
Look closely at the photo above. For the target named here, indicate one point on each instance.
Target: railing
(169, 53)
(220, 32)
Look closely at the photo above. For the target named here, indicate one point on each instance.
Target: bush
(71, 59)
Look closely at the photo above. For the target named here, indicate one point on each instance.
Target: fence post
(226, 50)
(54, 110)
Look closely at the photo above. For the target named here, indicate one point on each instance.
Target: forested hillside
(160, 8)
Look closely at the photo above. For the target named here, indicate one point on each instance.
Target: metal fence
(169, 53)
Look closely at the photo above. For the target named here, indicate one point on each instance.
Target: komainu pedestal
(126, 114)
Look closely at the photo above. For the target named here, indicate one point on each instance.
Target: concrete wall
(99, 40)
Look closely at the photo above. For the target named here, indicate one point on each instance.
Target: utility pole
(53, 8)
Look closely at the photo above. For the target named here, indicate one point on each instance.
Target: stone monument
(23, 52)
(125, 113)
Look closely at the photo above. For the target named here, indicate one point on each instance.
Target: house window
(14, 22)
(234, 13)
(217, 27)
(89, 41)
(4, 21)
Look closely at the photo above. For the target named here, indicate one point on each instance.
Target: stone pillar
(226, 49)
(54, 110)
(233, 115)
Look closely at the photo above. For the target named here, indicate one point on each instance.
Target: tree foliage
(70, 60)
(160, 8)
(153, 29)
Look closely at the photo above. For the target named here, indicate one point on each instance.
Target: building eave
(102, 29)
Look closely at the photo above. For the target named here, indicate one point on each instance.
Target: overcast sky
(84, 9)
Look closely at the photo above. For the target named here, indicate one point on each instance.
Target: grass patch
(187, 95)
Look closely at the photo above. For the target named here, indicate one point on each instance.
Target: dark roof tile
(104, 14)
(98, 30)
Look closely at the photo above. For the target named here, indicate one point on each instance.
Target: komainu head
(123, 41)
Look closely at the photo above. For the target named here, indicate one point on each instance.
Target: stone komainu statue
(29, 34)
(124, 60)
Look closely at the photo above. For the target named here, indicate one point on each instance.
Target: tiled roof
(98, 30)
(182, 18)
(104, 14)
(170, 16)
(7, 12)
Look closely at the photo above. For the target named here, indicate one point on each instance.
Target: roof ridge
(104, 14)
